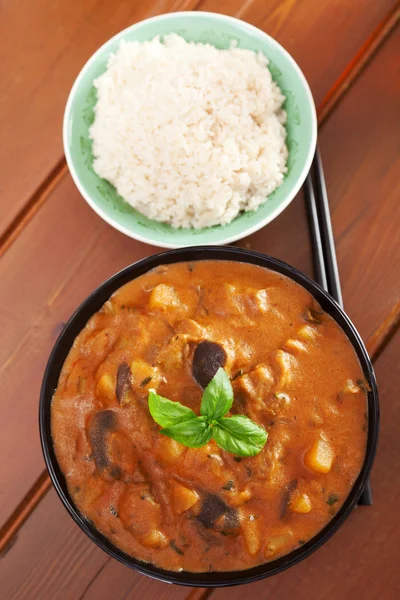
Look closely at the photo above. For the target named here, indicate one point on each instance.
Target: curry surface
(293, 371)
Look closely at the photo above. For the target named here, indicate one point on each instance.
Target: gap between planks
(358, 63)
(375, 345)
(200, 594)
(22, 512)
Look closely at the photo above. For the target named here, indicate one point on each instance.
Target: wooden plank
(363, 56)
(57, 284)
(54, 559)
(52, 44)
(361, 151)
(22, 511)
(70, 251)
(305, 27)
(118, 582)
(361, 154)
(361, 560)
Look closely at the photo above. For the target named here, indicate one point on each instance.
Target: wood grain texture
(119, 583)
(361, 153)
(361, 150)
(362, 58)
(23, 510)
(52, 42)
(361, 560)
(200, 594)
(54, 559)
(70, 251)
(304, 27)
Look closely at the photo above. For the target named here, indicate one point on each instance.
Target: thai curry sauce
(293, 371)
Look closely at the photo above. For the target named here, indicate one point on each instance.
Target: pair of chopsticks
(324, 254)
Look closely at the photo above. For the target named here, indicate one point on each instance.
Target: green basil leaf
(193, 433)
(167, 413)
(239, 435)
(218, 396)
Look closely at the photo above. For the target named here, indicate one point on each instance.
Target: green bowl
(220, 31)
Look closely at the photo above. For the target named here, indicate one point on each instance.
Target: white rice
(188, 134)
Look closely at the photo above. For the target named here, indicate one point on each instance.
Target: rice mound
(188, 134)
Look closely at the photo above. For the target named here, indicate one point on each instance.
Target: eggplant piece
(286, 496)
(123, 385)
(229, 521)
(207, 359)
(313, 315)
(101, 425)
(211, 537)
(214, 509)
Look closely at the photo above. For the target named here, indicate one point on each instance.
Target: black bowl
(94, 303)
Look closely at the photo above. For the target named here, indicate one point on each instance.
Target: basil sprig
(237, 434)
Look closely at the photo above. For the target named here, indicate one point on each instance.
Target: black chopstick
(315, 234)
(324, 253)
(324, 219)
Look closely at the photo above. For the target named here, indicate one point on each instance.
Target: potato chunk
(154, 539)
(105, 389)
(256, 383)
(172, 355)
(307, 332)
(144, 374)
(320, 456)
(236, 302)
(266, 301)
(262, 300)
(286, 362)
(169, 450)
(240, 498)
(142, 515)
(191, 328)
(263, 375)
(296, 345)
(300, 503)
(163, 296)
(233, 299)
(278, 543)
(350, 388)
(109, 308)
(251, 532)
(182, 498)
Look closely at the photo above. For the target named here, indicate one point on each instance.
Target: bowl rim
(78, 320)
(171, 16)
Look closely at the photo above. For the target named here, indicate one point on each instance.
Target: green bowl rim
(192, 14)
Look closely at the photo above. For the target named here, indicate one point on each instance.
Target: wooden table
(55, 250)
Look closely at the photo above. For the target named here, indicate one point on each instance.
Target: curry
(293, 373)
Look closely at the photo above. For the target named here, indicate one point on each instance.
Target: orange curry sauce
(293, 371)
